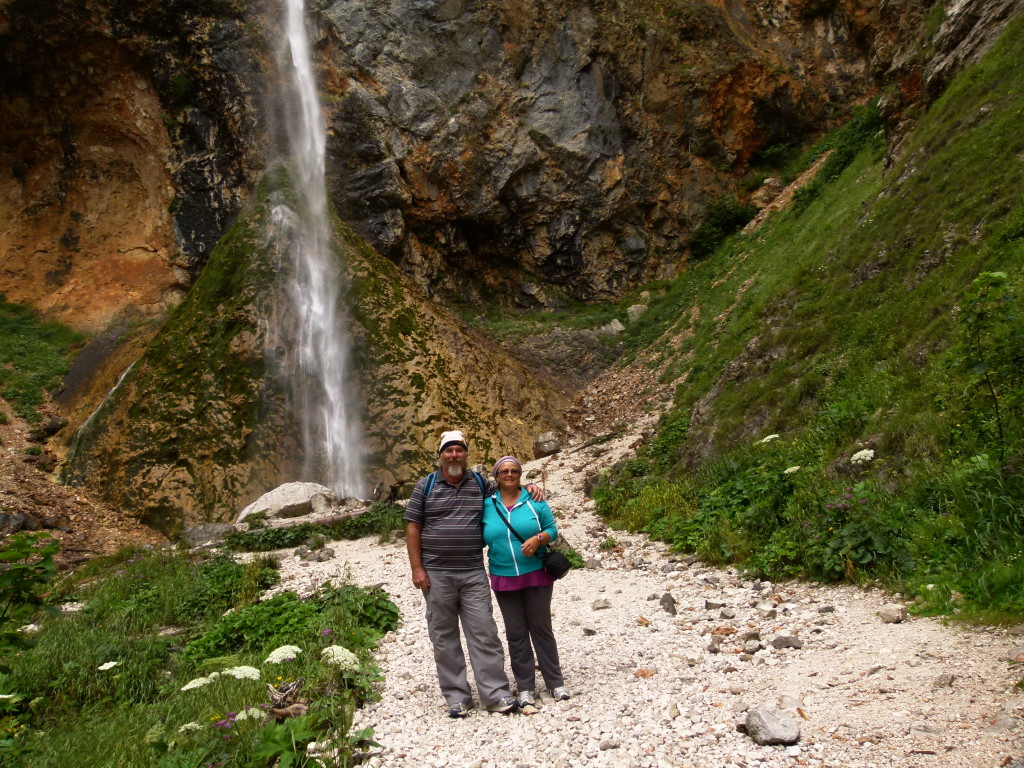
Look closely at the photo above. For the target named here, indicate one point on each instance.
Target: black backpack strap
(433, 477)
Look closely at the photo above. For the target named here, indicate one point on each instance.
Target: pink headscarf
(503, 460)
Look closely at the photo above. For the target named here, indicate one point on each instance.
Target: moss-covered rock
(199, 420)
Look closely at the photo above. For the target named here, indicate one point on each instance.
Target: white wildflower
(199, 682)
(190, 727)
(862, 457)
(243, 673)
(340, 657)
(284, 653)
(249, 713)
(108, 665)
(768, 439)
(791, 470)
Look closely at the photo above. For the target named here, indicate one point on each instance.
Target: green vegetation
(34, 355)
(721, 219)
(168, 660)
(844, 144)
(850, 378)
(501, 325)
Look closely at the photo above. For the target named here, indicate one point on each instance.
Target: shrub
(722, 218)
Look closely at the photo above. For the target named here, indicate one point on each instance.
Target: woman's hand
(530, 546)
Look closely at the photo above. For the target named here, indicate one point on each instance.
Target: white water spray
(330, 429)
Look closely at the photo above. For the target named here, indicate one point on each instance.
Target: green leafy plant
(286, 744)
(26, 565)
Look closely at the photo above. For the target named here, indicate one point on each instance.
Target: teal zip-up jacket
(528, 517)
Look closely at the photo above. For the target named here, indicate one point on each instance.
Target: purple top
(538, 578)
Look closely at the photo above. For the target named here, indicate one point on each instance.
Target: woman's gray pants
(527, 617)
(465, 596)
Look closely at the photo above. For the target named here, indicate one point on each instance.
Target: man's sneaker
(459, 710)
(527, 699)
(561, 693)
(504, 705)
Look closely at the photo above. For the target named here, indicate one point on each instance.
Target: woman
(520, 584)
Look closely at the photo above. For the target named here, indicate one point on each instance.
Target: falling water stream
(329, 425)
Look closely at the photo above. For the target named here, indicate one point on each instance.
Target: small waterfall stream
(329, 424)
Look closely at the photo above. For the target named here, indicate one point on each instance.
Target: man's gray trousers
(465, 596)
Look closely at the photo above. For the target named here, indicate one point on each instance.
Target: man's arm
(412, 545)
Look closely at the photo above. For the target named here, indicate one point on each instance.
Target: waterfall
(330, 429)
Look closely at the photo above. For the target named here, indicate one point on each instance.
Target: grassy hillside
(875, 331)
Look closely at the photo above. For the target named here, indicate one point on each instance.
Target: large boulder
(292, 500)
(546, 444)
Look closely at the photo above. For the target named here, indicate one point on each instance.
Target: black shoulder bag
(555, 563)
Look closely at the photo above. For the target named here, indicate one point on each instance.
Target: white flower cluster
(791, 470)
(248, 713)
(862, 457)
(190, 727)
(108, 665)
(243, 673)
(199, 682)
(239, 673)
(340, 657)
(768, 439)
(284, 653)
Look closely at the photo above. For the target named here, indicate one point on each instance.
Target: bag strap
(506, 522)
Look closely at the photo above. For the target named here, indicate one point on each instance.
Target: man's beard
(454, 469)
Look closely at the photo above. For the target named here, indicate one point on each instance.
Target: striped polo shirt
(451, 537)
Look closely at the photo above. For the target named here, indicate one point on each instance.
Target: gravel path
(647, 691)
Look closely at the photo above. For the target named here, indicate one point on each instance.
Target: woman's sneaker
(527, 699)
(561, 693)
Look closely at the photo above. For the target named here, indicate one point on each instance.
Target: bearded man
(444, 539)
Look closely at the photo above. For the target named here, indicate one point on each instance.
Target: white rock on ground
(648, 693)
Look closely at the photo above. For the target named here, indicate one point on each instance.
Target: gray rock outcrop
(292, 500)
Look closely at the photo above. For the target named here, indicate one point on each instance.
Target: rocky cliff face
(555, 151)
(503, 151)
(129, 135)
